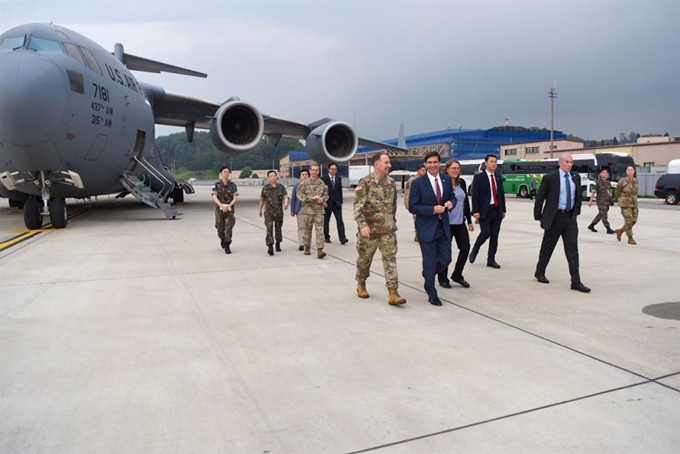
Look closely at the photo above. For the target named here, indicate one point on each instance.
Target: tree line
(201, 155)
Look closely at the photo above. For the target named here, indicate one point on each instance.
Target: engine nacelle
(334, 141)
(237, 127)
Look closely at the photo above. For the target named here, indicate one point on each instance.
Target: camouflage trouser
(273, 224)
(602, 215)
(630, 217)
(224, 223)
(316, 220)
(366, 247)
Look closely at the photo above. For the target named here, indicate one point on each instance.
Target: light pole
(552, 94)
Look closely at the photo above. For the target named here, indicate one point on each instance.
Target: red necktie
(439, 192)
(495, 192)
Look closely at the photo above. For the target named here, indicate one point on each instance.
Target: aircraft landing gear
(58, 213)
(33, 213)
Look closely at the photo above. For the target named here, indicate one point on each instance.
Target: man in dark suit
(334, 183)
(430, 198)
(560, 191)
(488, 207)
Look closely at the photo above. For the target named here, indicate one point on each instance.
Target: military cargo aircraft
(76, 123)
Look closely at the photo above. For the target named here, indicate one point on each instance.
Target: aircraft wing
(175, 109)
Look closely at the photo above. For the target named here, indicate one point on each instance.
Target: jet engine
(334, 141)
(237, 127)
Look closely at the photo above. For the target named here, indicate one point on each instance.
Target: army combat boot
(320, 254)
(278, 246)
(395, 299)
(618, 232)
(610, 231)
(591, 227)
(270, 250)
(227, 249)
(361, 290)
(307, 251)
(631, 240)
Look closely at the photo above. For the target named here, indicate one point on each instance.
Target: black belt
(566, 211)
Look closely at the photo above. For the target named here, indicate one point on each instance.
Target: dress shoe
(591, 227)
(580, 287)
(320, 254)
(618, 232)
(492, 264)
(301, 248)
(435, 302)
(278, 247)
(541, 278)
(345, 241)
(631, 240)
(327, 240)
(270, 250)
(445, 284)
(462, 282)
(473, 256)
(610, 231)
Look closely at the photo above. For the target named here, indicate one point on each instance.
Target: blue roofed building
(450, 143)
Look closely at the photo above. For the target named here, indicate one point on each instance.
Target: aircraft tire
(58, 213)
(178, 195)
(33, 218)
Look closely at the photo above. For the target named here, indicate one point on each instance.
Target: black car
(668, 187)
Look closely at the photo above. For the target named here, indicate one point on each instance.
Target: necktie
(333, 181)
(439, 192)
(566, 185)
(494, 191)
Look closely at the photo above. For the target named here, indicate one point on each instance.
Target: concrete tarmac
(129, 333)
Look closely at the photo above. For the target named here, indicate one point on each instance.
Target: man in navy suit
(488, 207)
(334, 183)
(560, 191)
(431, 196)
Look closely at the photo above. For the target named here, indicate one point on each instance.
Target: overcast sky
(430, 64)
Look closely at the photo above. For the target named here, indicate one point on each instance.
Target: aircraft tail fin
(136, 63)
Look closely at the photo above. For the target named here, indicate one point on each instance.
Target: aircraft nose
(32, 97)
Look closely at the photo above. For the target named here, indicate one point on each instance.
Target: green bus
(518, 173)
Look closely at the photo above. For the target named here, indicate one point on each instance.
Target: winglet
(143, 64)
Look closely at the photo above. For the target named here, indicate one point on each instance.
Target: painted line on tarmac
(24, 235)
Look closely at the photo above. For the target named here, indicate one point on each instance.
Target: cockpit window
(44, 45)
(61, 34)
(91, 61)
(12, 43)
(74, 52)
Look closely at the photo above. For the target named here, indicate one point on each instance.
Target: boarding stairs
(148, 196)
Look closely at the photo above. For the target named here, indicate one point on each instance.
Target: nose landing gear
(35, 209)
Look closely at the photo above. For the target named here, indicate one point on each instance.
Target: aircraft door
(138, 152)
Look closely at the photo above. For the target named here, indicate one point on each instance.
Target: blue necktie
(566, 182)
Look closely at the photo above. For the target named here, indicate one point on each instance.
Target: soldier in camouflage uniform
(274, 199)
(314, 193)
(375, 207)
(420, 171)
(626, 193)
(225, 194)
(603, 191)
